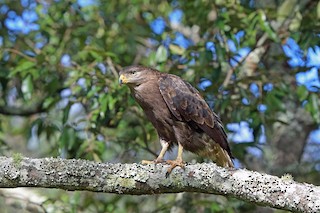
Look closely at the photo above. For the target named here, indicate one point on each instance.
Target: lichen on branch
(255, 187)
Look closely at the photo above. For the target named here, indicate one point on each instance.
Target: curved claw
(155, 161)
(174, 164)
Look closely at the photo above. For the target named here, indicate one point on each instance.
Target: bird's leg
(159, 159)
(176, 162)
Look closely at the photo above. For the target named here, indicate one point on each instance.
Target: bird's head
(133, 75)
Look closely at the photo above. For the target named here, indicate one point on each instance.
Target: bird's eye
(133, 72)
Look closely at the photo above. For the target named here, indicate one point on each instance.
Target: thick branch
(139, 179)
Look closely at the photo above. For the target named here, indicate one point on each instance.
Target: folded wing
(186, 104)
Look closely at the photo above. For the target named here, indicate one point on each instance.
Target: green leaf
(66, 113)
(111, 54)
(67, 138)
(103, 100)
(264, 24)
(22, 66)
(161, 54)
(302, 93)
(82, 149)
(273, 102)
(48, 102)
(285, 9)
(175, 49)
(313, 106)
(27, 87)
(96, 55)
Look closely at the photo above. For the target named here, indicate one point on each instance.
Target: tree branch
(36, 107)
(23, 110)
(262, 189)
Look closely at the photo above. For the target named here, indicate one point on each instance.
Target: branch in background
(231, 71)
(37, 107)
(23, 110)
(250, 60)
(262, 189)
(112, 68)
(21, 54)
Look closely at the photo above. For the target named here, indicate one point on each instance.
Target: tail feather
(223, 159)
(217, 154)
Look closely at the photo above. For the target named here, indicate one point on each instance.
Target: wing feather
(186, 104)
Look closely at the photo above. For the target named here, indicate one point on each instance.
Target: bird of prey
(179, 114)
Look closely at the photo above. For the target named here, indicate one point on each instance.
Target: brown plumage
(179, 114)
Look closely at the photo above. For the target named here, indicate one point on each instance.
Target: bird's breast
(156, 110)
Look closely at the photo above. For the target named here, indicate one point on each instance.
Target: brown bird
(179, 114)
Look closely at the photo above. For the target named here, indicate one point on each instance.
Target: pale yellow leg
(159, 159)
(177, 162)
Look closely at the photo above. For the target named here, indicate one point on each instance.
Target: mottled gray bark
(138, 179)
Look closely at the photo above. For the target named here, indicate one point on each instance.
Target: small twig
(112, 68)
(258, 44)
(21, 54)
(231, 71)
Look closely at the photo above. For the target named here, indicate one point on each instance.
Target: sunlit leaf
(161, 54)
(175, 49)
(27, 87)
(23, 66)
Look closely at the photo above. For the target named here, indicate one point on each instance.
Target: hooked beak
(122, 80)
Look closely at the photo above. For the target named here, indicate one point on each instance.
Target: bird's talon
(147, 162)
(155, 161)
(173, 164)
(159, 161)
